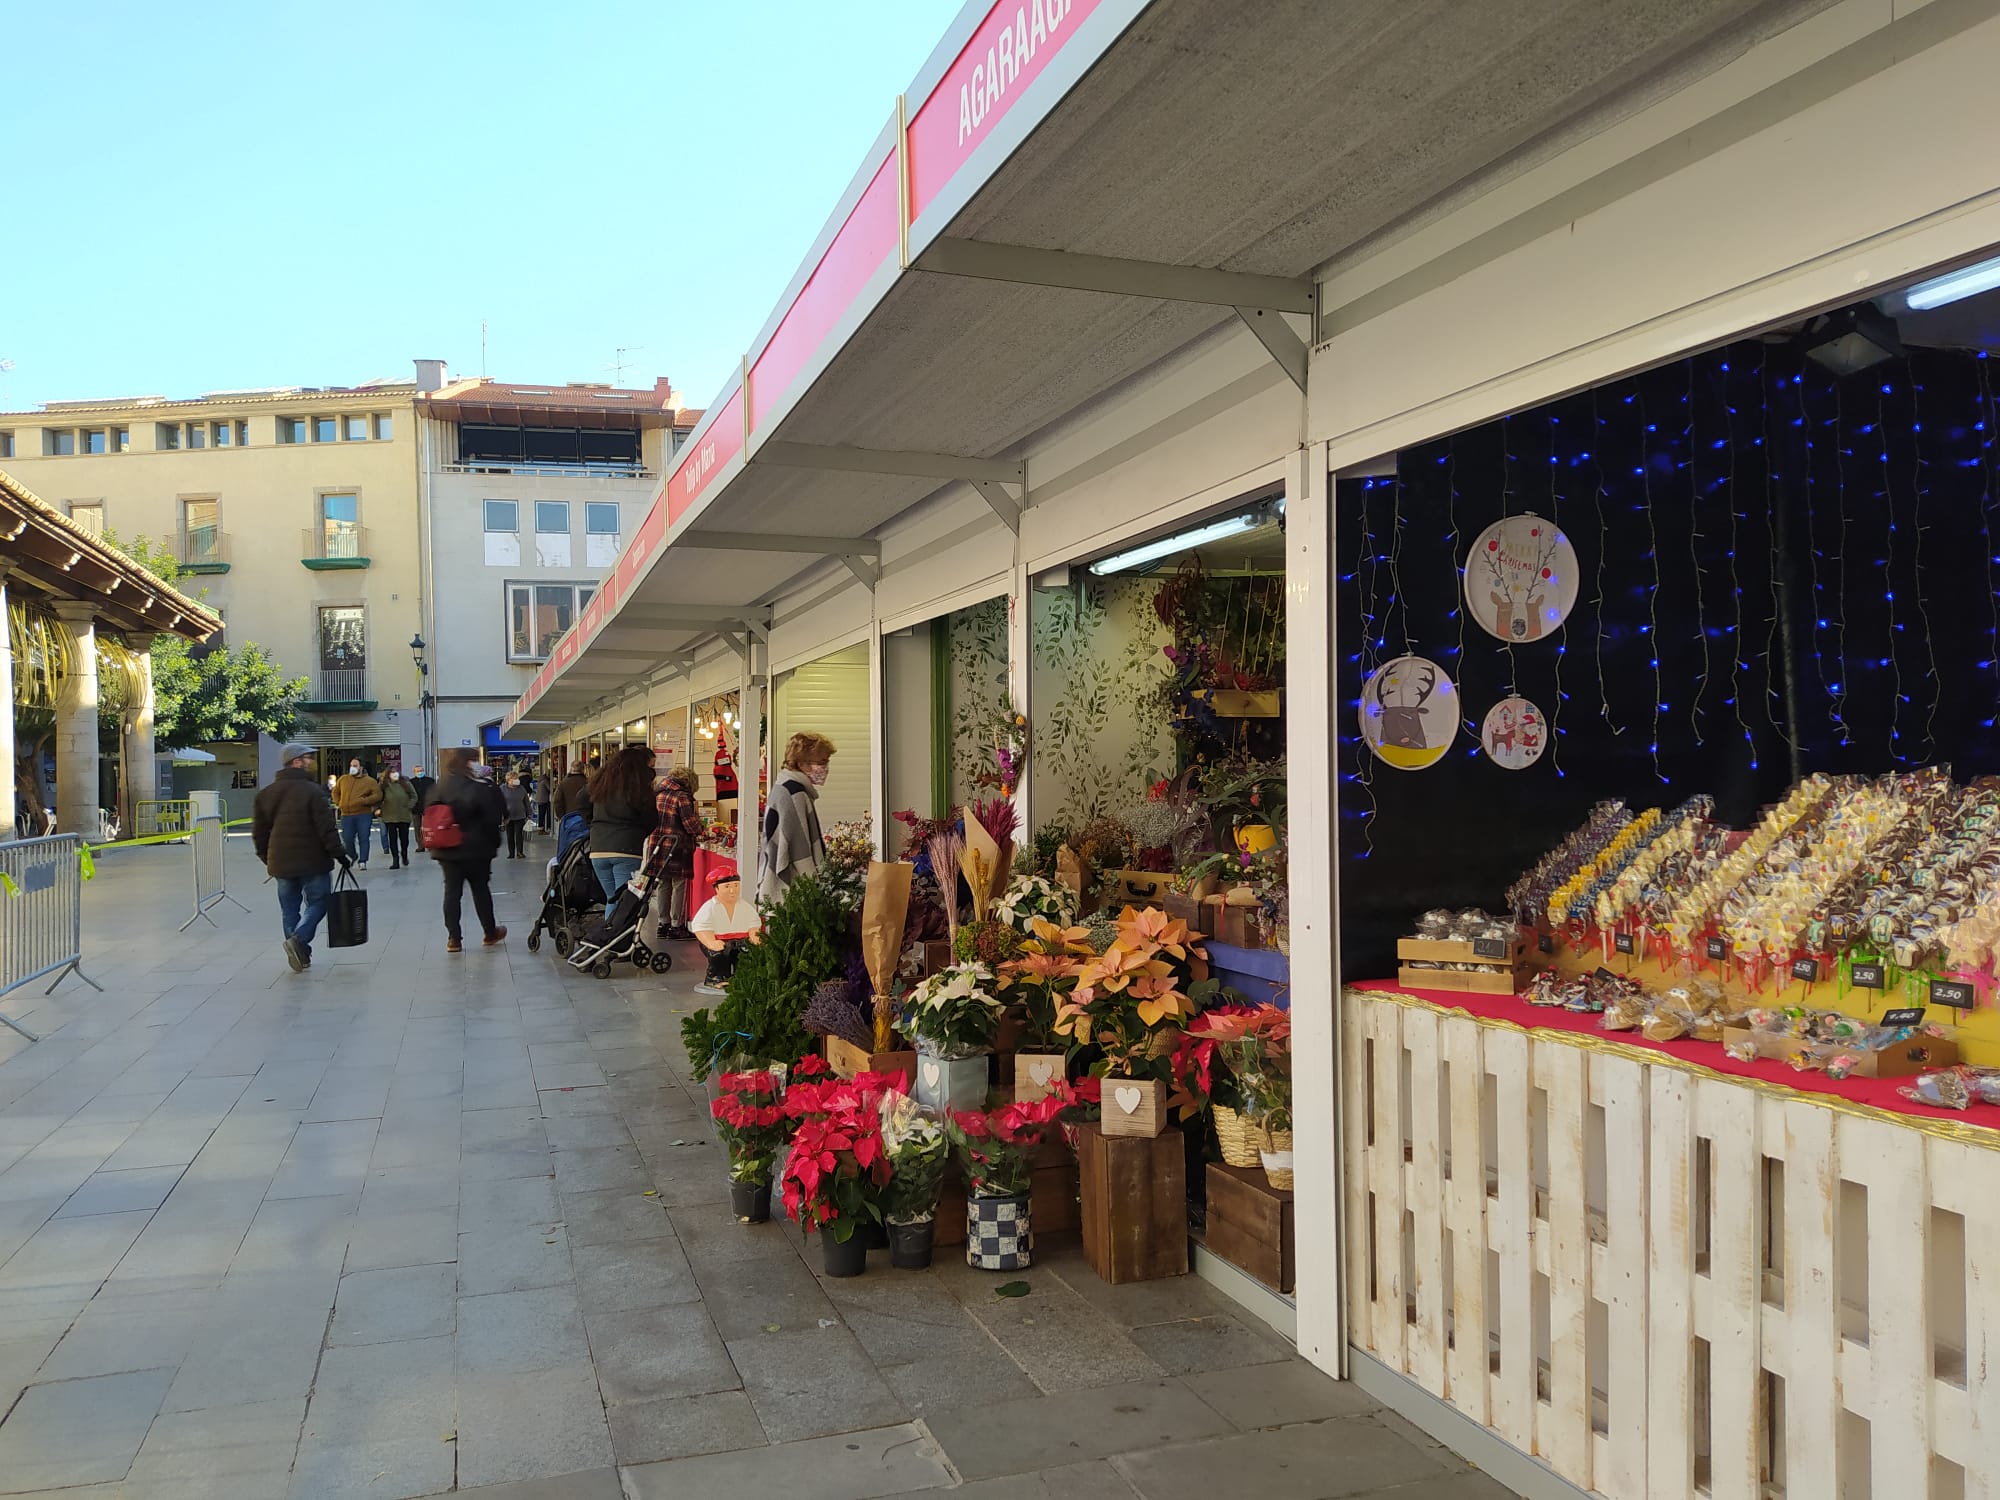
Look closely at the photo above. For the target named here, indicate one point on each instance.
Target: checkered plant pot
(999, 1235)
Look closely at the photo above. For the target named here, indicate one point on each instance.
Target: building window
(356, 429)
(242, 434)
(6, 445)
(291, 429)
(325, 430)
(538, 614)
(197, 435)
(201, 532)
(552, 534)
(88, 515)
(58, 443)
(385, 426)
(503, 533)
(223, 434)
(343, 653)
(600, 533)
(340, 525)
(121, 440)
(167, 435)
(96, 440)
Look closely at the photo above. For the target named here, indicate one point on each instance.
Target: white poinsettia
(1029, 897)
(956, 1012)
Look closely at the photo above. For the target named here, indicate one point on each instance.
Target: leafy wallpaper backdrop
(978, 689)
(1100, 725)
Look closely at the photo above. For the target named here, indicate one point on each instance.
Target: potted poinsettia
(750, 1117)
(953, 1017)
(918, 1152)
(833, 1179)
(1131, 1001)
(1032, 898)
(1204, 1083)
(997, 1150)
(1255, 1043)
(1039, 981)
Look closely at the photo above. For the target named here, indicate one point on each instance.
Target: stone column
(76, 728)
(7, 770)
(142, 781)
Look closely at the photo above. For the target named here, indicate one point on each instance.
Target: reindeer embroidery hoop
(1409, 712)
(1521, 579)
(1514, 734)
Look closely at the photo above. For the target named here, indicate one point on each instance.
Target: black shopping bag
(346, 913)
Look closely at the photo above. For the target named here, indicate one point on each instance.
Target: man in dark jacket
(298, 841)
(570, 796)
(481, 814)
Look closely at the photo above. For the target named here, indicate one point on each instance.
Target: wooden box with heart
(1036, 1074)
(951, 1082)
(848, 1060)
(1133, 1195)
(1135, 1107)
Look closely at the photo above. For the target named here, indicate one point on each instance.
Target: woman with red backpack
(463, 820)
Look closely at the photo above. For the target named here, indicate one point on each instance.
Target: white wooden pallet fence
(1667, 1284)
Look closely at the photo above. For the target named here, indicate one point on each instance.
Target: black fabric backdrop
(1858, 511)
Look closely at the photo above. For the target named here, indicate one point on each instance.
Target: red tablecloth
(1877, 1093)
(706, 863)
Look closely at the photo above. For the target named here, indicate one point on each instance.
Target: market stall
(1671, 830)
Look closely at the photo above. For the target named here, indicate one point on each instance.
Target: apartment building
(529, 493)
(294, 512)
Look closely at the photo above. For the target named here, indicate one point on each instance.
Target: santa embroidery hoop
(1514, 734)
(1521, 579)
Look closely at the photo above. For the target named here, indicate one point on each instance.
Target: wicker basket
(1236, 1137)
(1276, 1140)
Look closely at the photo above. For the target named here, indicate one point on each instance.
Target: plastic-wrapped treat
(1945, 1089)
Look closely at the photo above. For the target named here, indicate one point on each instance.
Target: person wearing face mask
(790, 844)
(399, 809)
(516, 797)
(356, 796)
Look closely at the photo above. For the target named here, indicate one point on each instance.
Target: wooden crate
(1236, 703)
(1135, 888)
(1134, 1107)
(937, 956)
(847, 1060)
(1455, 951)
(1134, 1199)
(1924, 1054)
(1499, 981)
(1250, 1225)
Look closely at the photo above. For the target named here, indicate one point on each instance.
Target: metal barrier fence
(211, 881)
(41, 915)
(157, 817)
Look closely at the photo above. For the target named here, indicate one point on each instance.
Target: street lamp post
(425, 700)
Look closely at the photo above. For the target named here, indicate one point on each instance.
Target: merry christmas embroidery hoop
(1521, 579)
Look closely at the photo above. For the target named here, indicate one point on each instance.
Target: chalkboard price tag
(1951, 993)
(1912, 1015)
(1607, 974)
(1806, 969)
(1546, 942)
(1489, 948)
(1622, 942)
(1868, 977)
(1717, 948)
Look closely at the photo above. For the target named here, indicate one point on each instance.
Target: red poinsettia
(998, 1145)
(861, 1093)
(1192, 1067)
(835, 1172)
(751, 1118)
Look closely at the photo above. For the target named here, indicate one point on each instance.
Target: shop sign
(711, 451)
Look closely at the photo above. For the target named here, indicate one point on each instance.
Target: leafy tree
(758, 1019)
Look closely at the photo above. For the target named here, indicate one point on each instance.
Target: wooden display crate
(1496, 981)
(1458, 951)
(1135, 888)
(1250, 1225)
(1134, 1197)
(847, 1060)
(1921, 1054)
(1235, 703)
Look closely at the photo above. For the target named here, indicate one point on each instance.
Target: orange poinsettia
(1152, 977)
(1044, 974)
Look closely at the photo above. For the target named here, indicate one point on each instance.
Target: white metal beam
(750, 541)
(1003, 504)
(1276, 335)
(863, 569)
(884, 461)
(1031, 266)
(685, 616)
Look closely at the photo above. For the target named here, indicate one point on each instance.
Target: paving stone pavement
(413, 1223)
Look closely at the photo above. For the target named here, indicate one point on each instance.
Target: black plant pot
(844, 1258)
(751, 1201)
(910, 1245)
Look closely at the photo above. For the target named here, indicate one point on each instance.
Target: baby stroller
(572, 894)
(615, 936)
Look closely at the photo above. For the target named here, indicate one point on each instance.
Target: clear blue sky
(232, 195)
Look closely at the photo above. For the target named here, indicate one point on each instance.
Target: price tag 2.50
(1806, 969)
(1955, 994)
(1622, 942)
(1866, 976)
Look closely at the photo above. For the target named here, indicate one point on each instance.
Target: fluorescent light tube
(1166, 546)
(1959, 285)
